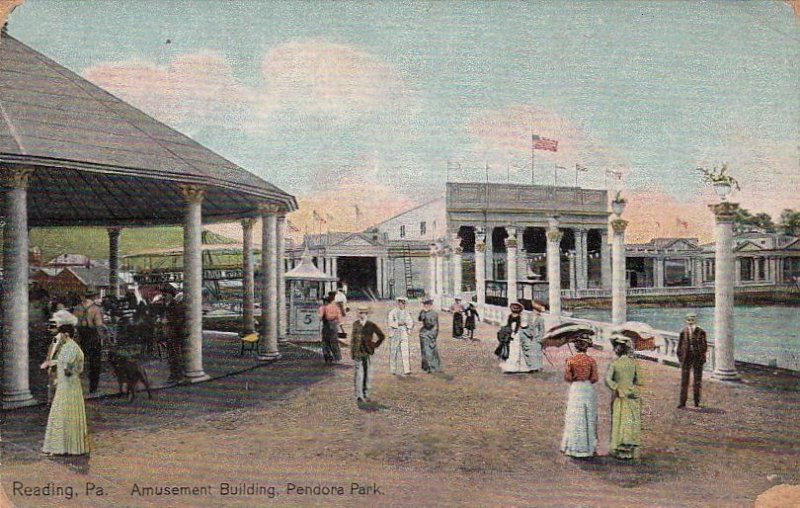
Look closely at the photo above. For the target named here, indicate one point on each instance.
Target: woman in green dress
(67, 432)
(623, 378)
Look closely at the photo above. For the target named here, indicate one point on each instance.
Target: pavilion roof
(97, 160)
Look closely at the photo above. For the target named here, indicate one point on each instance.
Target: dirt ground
(469, 437)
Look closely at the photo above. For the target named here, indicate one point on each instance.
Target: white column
(248, 278)
(605, 260)
(439, 277)
(456, 260)
(582, 261)
(269, 274)
(193, 283)
(573, 272)
(619, 306)
(658, 272)
(432, 270)
(522, 257)
(554, 266)
(489, 253)
(480, 270)
(737, 270)
(113, 260)
(283, 312)
(724, 366)
(335, 269)
(16, 381)
(511, 264)
(696, 265)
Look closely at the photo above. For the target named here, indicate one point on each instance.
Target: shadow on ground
(219, 402)
(655, 466)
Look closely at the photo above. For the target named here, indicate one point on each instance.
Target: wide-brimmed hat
(692, 315)
(584, 337)
(363, 309)
(618, 338)
(91, 293)
(538, 307)
(402, 299)
(457, 298)
(64, 317)
(427, 301)
(516, 307)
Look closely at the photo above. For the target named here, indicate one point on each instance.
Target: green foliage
(719, 175)
(745, 220)
(790, 222)
(618, 197)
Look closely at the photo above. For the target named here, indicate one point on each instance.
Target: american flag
(578, 167)
(544, 143)
(292, 227)
(683, 223)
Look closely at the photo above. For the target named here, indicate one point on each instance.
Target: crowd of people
(80, 333)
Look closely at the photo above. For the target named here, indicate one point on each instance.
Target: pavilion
(73, 154)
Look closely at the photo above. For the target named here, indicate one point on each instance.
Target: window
(423, 228)
(402, 231)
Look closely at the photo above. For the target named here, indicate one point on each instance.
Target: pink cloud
(323, 79)
(656, 214)
(193, 87)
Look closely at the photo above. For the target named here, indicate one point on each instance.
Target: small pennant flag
(292, 227)
(578, 167)
(540, 143)
(560, 167)
(615, 174)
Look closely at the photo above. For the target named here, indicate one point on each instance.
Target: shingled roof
(98, 160)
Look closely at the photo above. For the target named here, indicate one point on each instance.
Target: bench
(250, 342)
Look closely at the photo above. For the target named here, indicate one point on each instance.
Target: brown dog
(129, 373)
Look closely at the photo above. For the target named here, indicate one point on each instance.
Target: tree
(790, 222)
(745, 221)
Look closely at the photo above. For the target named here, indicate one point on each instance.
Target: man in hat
(400, 326)
(91, 332)
(362, 347)
(174, 326)
(692, 347)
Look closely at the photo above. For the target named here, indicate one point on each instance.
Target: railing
(577, 294)
(497, 293)
(528, 291)
(666, 351)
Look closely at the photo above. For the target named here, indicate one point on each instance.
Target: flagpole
(555, 175)
(533, 167)
(576, 175)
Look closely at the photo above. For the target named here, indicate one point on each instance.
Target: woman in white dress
(524, 349)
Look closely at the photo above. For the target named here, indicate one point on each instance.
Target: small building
(75, 280)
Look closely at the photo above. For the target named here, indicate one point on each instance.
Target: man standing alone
(362, 347)
(692, 348)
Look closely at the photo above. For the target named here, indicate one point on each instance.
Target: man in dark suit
(692, 348)
(362, 347)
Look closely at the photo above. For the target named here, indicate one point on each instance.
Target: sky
(376, 104)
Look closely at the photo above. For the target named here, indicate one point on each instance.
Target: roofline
(404, 212)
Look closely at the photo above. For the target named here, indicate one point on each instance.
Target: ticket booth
(305, 289)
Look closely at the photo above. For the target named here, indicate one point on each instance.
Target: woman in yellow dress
(623, 378)
(67, 432)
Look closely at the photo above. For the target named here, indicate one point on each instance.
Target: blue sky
(309, 95)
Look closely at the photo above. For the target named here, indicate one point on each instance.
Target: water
(762, 334)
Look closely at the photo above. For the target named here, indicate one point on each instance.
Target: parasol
(563, 334)
(642, 335)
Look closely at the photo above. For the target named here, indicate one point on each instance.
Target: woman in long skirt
(580, 422)
(458, 319)
(427, 337)
(330, 315)
(67, 432)
(622, 377)
(471, 318)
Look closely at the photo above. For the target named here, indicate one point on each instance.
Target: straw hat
(364, 310)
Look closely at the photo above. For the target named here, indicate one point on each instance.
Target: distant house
(72, 279)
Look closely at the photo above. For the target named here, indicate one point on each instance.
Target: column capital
(554, 236)
(193, 193)
(552, 223)
(725, 211)
(619, 225)
(270, 209)
(434, 249)
(511, 242)
(248, 223)
(16, 177)
(458, 250)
